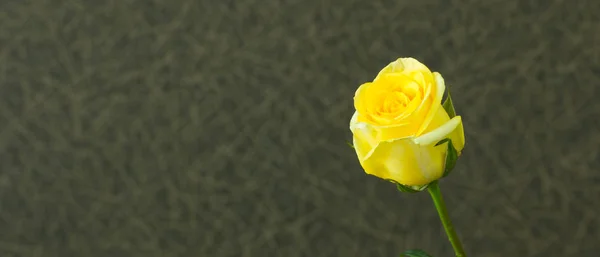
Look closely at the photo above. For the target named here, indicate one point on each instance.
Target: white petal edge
(439, 133)
(353, 120)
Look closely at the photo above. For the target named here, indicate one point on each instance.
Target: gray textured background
(218, 128)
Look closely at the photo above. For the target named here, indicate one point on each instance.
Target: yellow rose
(398, 120)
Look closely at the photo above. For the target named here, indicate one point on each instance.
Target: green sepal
(415, 253)
(448, 106)
(349, 144)
(408, 189)
(451, 156)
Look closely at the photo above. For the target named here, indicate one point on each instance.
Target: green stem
(436, 195)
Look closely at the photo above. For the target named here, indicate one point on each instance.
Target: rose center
(397, 101)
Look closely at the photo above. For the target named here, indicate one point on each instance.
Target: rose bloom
(398, 120)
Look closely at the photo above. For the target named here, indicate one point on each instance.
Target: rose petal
(440, 87)
(406, 162)
(439, 133)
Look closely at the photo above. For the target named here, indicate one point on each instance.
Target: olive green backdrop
(218, 128)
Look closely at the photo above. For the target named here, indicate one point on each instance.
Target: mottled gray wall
(217, 128)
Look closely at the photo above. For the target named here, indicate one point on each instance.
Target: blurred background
(218, 128)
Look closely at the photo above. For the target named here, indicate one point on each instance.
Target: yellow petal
(364, 137)
(406, 162)
(360, 103)
(438, 93)
(403, 65)
(441, 132)
(458, 138)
